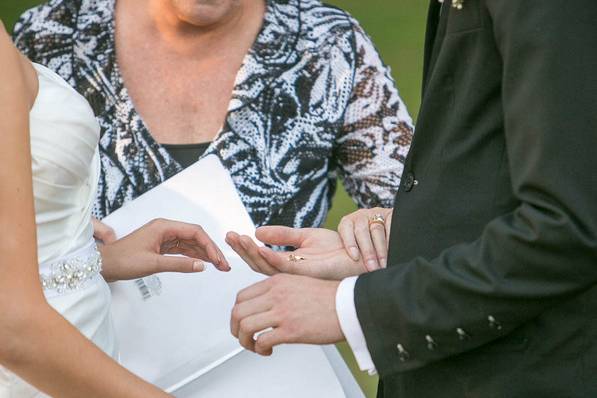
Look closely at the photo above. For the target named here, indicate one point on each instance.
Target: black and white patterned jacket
(311, 100)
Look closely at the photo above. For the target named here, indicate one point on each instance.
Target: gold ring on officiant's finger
(293, 258)
(377, 219)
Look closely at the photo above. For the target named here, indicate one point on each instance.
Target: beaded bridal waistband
(71, 272)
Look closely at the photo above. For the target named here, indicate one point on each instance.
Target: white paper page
(179, 339)
(182, 332)
(293, 371)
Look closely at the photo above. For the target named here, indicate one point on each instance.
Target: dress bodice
(65, 163)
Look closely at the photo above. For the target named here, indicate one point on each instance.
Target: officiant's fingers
(251, 326)
(347, 233)
(246, 309)
(214, 254)
(363, 236)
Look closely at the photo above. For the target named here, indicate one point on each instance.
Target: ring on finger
(177, 243)
(264, 331)
(377, 219)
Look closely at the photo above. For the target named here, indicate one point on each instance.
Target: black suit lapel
(435, 28)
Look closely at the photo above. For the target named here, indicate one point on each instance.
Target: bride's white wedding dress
(65, 162)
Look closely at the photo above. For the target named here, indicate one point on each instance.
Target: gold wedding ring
(293, 259)
(177, 243)
(377, 219)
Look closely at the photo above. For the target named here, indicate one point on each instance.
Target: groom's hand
(286, 309)
(319, 253)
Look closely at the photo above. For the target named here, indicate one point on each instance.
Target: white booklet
(173, 329)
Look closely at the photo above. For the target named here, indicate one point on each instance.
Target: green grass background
(397, 28)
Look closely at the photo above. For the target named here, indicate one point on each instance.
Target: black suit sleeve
(542, 253)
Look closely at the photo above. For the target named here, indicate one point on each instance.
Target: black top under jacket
(491, 290)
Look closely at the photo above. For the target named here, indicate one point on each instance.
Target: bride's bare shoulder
(17, 70)
(3, 32)
(7, 49)
(4, 35)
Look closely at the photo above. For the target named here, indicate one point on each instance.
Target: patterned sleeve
(44, 34)
(377, 131)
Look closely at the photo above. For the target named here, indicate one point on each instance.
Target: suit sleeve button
(402, 353)
(493, 323)
(431, 344)
(462, 334)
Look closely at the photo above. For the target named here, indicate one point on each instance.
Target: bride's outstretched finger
(179, 264)
(190, 240)
(145, 251)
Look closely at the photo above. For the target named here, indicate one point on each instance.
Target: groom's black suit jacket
(492, 288)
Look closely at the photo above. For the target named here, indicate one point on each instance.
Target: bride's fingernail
(372, 264)
(384, 263)
(198, 266)
(354, 253)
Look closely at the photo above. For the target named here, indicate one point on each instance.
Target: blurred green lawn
(397, 28)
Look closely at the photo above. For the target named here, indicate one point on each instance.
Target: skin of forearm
(38, 344)
(37, 352)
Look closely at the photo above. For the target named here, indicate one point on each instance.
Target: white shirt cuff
(349, 323)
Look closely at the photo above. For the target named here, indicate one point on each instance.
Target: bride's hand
(365, 235)
(143, 252)
(319, 253)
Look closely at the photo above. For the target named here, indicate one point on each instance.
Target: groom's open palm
(318, 253)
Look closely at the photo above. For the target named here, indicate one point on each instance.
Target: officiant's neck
(200, 22)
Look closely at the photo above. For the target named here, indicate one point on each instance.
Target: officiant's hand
(145, 251)
(319, 252)
(287, 309)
